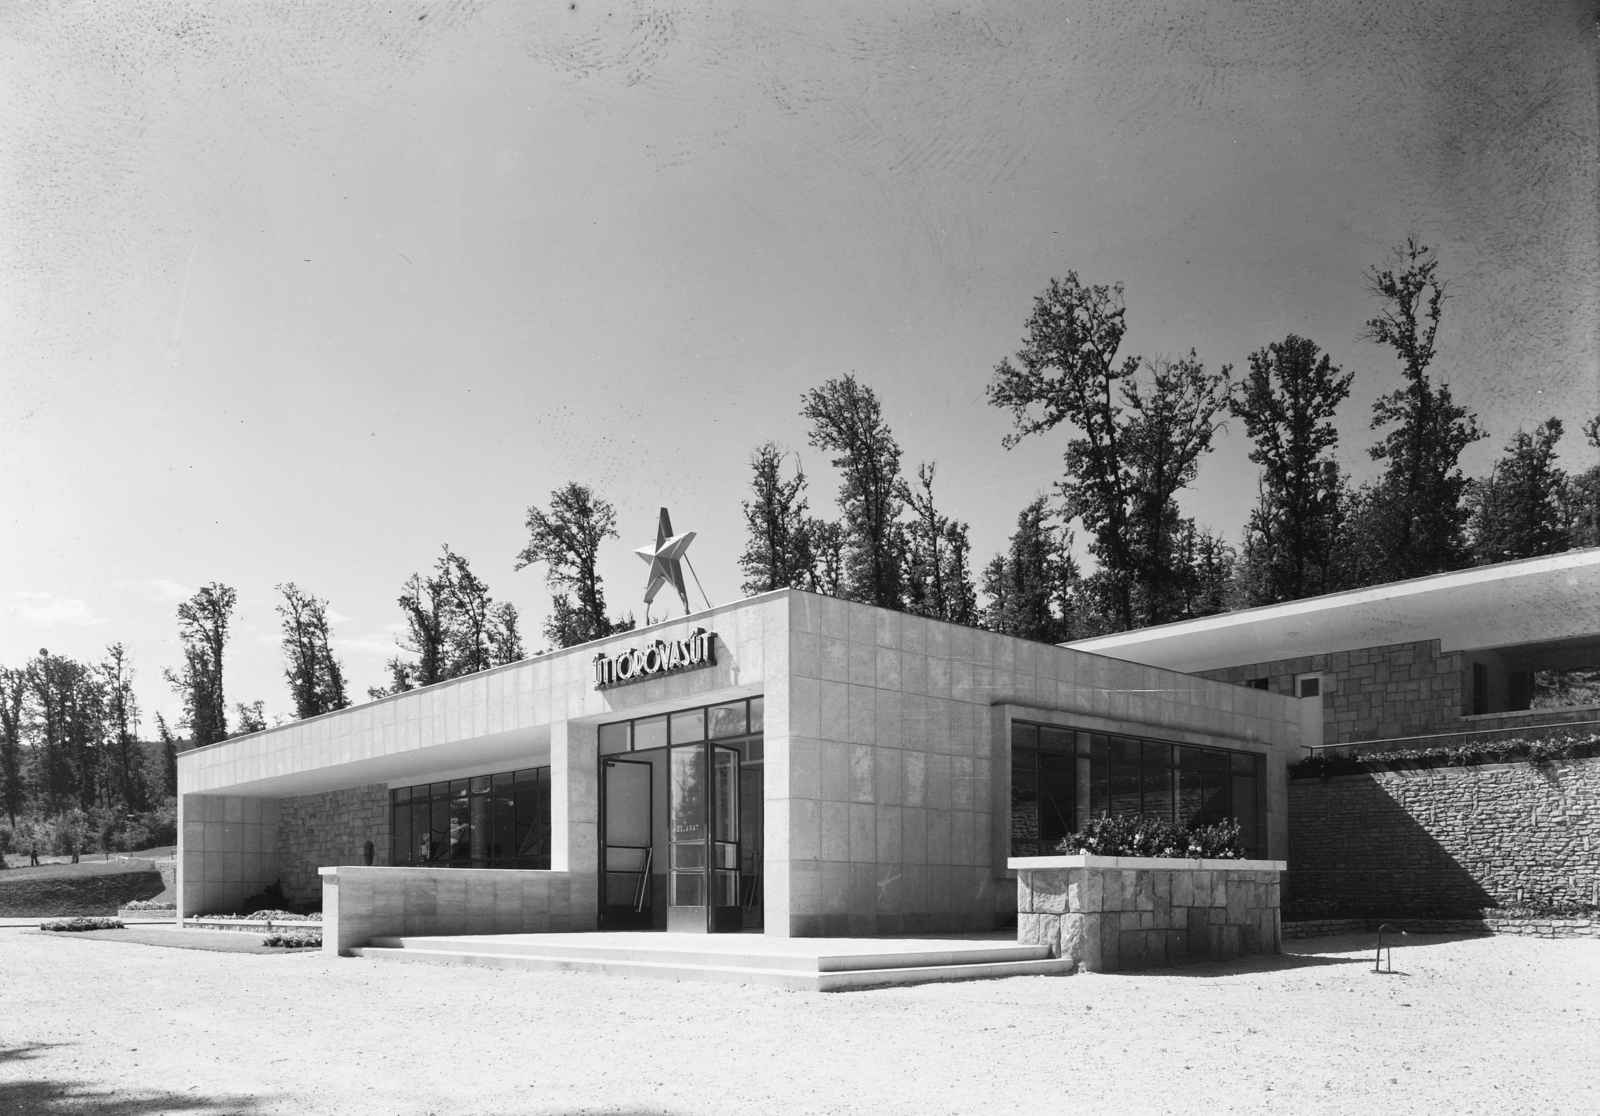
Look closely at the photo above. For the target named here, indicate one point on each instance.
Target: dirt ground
(1466, 1025)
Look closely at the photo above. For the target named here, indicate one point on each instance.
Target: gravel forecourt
(1492, 1025)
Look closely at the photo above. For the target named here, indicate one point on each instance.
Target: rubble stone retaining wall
(1112, 914)
(1446, 840)
(329, 829)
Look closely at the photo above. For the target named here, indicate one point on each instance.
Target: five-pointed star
(665, 561)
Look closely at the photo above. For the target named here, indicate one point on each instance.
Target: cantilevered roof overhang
(1547, 607)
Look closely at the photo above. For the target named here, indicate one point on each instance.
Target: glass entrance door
(725, 910)
(627, 898)
(681, 820)
(703, 804)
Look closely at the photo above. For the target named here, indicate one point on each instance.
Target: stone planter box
(1117, 913)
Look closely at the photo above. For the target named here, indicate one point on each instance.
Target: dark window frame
(1119, 774)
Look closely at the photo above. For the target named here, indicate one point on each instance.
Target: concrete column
(575, 817)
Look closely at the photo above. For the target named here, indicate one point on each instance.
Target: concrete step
(837, 959)
(771, 975)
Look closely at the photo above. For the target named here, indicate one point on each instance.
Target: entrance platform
(800, 964)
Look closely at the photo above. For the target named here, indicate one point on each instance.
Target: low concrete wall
(1116, 913)
(361, 903)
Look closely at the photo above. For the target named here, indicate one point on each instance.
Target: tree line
(1137, 429)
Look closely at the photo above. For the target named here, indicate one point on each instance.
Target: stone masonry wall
(1112, 920)
(317, 830)
(1400, 690)
(1446, 840)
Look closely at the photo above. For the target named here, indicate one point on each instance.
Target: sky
(302, 292)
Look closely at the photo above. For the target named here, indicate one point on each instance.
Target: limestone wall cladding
(329, 828)
(360, 903)
(1449, 839)
(888, 760)
(1117, 919)
(227, 851)
(1399, 690)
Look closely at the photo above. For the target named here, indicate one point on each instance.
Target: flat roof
(1540, 604)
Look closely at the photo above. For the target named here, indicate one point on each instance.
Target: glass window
(487, 821)
(758, 707)
(1191, 787)
(1157, 780)
(688, 726)
(1127, 799)
(1057, 767)
(727, 720)
(1024, 790)
(614, 738)
(650, 732)
(1061, 779)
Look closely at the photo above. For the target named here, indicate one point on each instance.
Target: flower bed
(74, 925)
(149, 905)
(1547, 750)
(300, 939)
(258, 921)
(1153, 836)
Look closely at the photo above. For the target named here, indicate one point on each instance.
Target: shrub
(76, 924)
(298, 939)
(149, 905)
(1565, 746)
(1152, 836)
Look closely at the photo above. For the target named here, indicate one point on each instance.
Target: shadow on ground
(47, 1096)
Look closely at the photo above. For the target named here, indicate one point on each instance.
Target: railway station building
(790, 764)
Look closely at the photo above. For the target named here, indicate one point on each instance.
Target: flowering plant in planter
(1153, 836)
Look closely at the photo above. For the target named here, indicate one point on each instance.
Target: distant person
(367, 854)
(33, 855)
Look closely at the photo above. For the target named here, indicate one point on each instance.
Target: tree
(847, 420)
(453, 627)
(1411, 522)
(777, 553)
(828, 543)
(937, 580)
(252, 718)
(13, 692)
(1139, 444)
(169, 756)
(315, 676)
(203, 631)
(567, 540)
(1032, 588)
(66, 703)
(1583, 496)
(480, 633)
(1210, 562)
(1520, 509)
(1288, 402)
(126, 785)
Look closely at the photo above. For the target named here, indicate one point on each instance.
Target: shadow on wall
(1355, 851)
(46, 1096)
